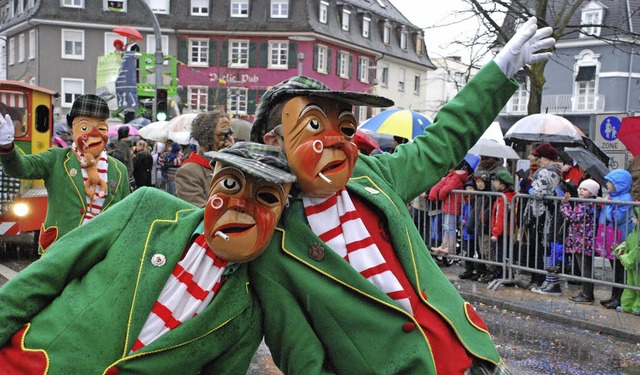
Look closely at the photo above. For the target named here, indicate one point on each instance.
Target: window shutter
(182, 94)
(264, 54)
(350, 70)
(224, 53)
(213, 53)
(252, 98)
(315, 57)
(211, 96)
(182, 51)
(293, 55)
(359, 68)
(338, 63)
(329, 62)
(253, 54)
(372, 72)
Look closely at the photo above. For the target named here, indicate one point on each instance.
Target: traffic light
(161, 104)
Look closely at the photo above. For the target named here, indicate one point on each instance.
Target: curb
(629, 336)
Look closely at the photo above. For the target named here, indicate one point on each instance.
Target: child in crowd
(480, 222)
(628, 255)
(467, 222)
(580, 234)
(502, 183)
(451, 205)
(619, 218)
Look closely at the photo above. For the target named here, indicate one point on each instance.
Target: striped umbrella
(400, 122)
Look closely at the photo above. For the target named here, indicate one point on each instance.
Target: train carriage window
(42, 118)
(15, 105)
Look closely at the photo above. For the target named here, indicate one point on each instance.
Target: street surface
(528, 345)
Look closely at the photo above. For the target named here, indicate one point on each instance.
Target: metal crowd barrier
(531, 244)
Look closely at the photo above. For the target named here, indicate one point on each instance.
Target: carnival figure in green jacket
(154, 285)
(347, 285)
(81, 180)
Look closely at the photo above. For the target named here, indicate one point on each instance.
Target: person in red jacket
(451, 205)
(502, 183)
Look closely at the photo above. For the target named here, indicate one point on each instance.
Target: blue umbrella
(400, 122)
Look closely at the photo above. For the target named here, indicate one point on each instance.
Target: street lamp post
(159, 59)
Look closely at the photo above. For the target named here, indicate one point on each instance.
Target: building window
(343, 64)
(71, 89)
(21, 48)
(238, 54)
(73, 3)
(419, 44)
(386, 33)
(151, 44)
(403, 39)
(591, 17)
(278, 55)
(32, 44)
(363, 114)
(115, 6)
(73, 44)
(416, 84)
(237, 101)
(366, 26)
(520, 99)
(240, 8)
(12, 51)
(384, 76)
(197, 98)
(322, 59)
(279, 8)
(324, 11)
(199, 7)
(159, 6)
(33, 81)
(363, 69)
(199, 52)
(585, 88)
(401, 74)
(345, 19)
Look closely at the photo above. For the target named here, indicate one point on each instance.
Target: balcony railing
(560, 104)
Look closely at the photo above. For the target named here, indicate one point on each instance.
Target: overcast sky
(440, 21)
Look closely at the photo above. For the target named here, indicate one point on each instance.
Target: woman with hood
(620, 218)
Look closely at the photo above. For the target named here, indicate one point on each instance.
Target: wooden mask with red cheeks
(318, 134)
(90, 134)
(222, 135)
(241, 213)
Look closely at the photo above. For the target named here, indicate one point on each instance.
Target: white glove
(6, 130)
(520, 49)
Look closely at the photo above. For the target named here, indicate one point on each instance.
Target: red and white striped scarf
(194, 282)
(93, 208)
(336, 222)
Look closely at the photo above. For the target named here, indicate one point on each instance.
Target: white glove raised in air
(6, 130)
(521, 49)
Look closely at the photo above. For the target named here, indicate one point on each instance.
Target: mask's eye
(103, 128)
(268, 196)
(313, 125)
(84, 128)
(230, 184)
(348, 129)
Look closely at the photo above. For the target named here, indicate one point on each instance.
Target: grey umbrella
(490, 147)
(589, 162)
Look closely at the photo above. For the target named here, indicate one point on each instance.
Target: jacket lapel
(74, 173)
(166, 239)
(115, 178)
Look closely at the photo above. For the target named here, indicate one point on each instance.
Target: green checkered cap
(305, 86)
(256, 159)
(89, 105)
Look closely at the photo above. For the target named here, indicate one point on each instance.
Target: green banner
(106, 75)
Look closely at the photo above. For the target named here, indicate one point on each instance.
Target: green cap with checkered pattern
(256, 159)
(305, 86)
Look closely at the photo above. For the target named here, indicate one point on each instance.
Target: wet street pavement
(535, 335)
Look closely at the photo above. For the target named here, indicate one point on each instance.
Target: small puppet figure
(154, 285)
(81, 180)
